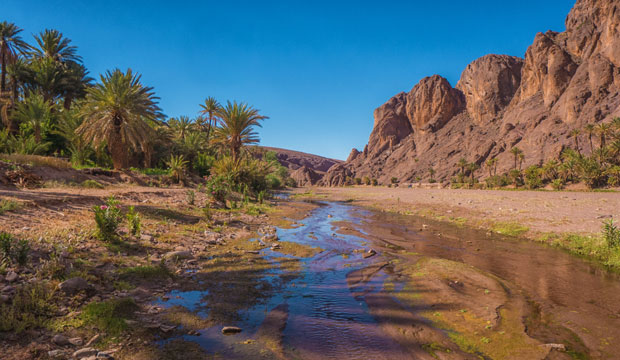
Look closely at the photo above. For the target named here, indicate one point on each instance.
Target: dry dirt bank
(539, 211)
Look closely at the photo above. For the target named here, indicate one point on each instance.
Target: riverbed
(388, 286)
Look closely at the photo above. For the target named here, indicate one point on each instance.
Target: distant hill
(306, 169)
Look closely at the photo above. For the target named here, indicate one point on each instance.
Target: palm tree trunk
(117, 151)
(591, 146)
(209, 127)
(3, 80)
(577, 145)
(37, 133)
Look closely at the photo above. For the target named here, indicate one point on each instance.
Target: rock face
(566, 80)
(305, 176)
(432, 102)
(489, 83)
(295, 159)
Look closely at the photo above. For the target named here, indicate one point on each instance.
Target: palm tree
(210, 108)
(181, 125)
(68, 122)
(491, 164)
(177, 166)
(11, 44)
(604, 130)
(431, 172)
(52, 44)
(74, 82)
(589, 130)
(117, 112)
(575, 135)
(516, 152)
(35, 111)
(462, 164)
(472, 167)
(550, 170)
(237, 126)
(521, 158)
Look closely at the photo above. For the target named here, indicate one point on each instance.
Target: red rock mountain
(306, 169)
(565, 81)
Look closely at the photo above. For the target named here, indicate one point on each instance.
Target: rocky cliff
(565, 81)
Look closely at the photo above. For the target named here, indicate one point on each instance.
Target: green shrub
(12, 250)
(557, 184)
(394, 180)
(133, 221)
(366, 180)
(290, 182)
(191, 197)
(611, 234)
(202, 164)
(375, 182)
(107, 218)
(109, 316)
(32, 306)
(358, 181)
(8, 205)
(218, 188)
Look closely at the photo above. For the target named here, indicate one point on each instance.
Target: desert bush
(202, 164)
(107, 218)
(273, 182)
(516, 177)
(557, 184)
(375, 182)
(394, 180)
(290, 182)
(32, 307)
(190, 196)
(177, 165)
(611, 234)
(8, 205)
(366, 180)
(133, 221)
(358, 181)
(91, 184)
(218, 188)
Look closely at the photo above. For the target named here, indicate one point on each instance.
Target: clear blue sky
(318, 69)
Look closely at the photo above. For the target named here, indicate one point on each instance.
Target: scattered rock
(256, 252)
(559, 347)
(146, 237)
(76, 341)
(55, 353)
(60, 340)
(11, 276)
(269, 237)
(369, 253)
(92, 340)
(275, 246)
(228, 330)
(84, 353)
(179, 255)
(604, 217)
(73, 285)
(166, 328)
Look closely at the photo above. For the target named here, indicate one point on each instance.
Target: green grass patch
(109, 316)
(151, 171)
(509, 228)
(8, 205)
(145, 272)
(91, 184)
(588, 246)
(32, 307)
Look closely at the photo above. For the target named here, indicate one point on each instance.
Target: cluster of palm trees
(596, 165)
(49, 105)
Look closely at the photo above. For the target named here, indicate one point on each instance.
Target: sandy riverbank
(536, 211)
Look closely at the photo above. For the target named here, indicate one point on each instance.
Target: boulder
(74, 285)
(432, 102)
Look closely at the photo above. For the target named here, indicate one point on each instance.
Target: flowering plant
(218, 188)
(107, 218)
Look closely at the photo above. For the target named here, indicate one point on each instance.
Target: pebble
(55, 353)
(369, 253)
(73, 285)
(230, 330)
(11, 276)
(92, 340)
(76, 341)
(85, 352)
(60, 340)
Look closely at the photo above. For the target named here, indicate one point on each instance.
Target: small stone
(559, 347)
(269, 237)
(60, 340)
(11, 276)
(179, 255)
(73, 285)
(275, 246)
(369, 253)
(76, 341)
(255, 252)
(84, 353)
(105, 355)
(146, 237)
(166, 328)
(55, 353)
(92, 340)
(228, 330)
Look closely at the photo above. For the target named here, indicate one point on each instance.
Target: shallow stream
(323, 315)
